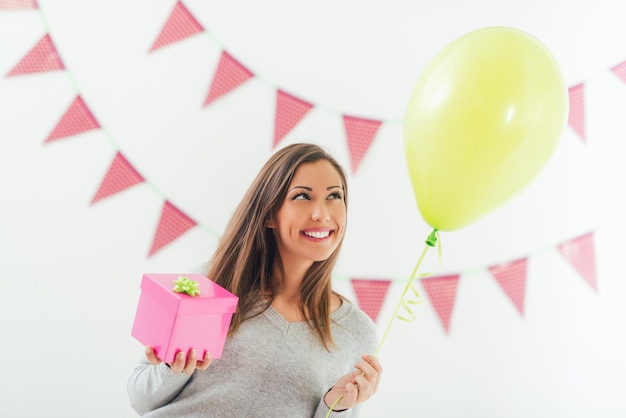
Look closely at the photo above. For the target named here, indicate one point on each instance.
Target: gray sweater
(269, 368)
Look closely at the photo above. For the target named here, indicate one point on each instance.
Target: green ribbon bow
(184, 285)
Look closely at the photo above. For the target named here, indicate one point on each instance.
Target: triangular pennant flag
(180, 25)
(41, 58)
(17, 4)
(229, 75)
(576, 118)
(370, 295)
(580, 253)
(360, 133)
(512, 278)
(289, 111)
(120, 176)
(172, 224)
(442, 294)
(76, 120)
(620, 71)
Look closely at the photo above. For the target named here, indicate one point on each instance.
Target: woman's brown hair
(244, 259)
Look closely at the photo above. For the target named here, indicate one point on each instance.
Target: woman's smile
(317, 234)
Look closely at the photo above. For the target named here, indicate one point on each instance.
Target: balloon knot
(432, 238)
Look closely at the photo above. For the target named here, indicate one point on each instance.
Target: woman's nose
(320, 213)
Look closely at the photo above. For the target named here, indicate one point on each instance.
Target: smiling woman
(471, 351)
(277, 256)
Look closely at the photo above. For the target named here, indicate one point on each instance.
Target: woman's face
(311, 220)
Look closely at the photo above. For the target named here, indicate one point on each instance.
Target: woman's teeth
(317, 234)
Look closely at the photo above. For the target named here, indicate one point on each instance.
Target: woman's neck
(290, 278)
(287, 299)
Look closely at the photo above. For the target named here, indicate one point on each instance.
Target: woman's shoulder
(356, 314)
(355, 328)
(353, 319)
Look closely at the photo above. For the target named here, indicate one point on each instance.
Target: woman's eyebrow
(310, 189)
(302, 187)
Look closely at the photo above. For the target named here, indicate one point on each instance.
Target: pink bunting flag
(360, 133)
(442, 294)
(512, 279)
(229, 75)
(120, 176)
(41, 58)
(576, 118)
(172, 224)
(17, 4)
(289, 112)
(76, 120)
(580, 253)
(180, 25)
(620, 71)
(370, 295)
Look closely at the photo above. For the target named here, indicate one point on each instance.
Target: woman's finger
(352, 393)
(366, 369)
(179, 363)
(365, 388)
(375, 364)
(190, 364)
(151, 356)
(205, 363)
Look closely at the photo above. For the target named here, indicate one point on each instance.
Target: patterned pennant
(76, 120)
(580, 253)
(442, 294)
(120, 176)
(180, 25)
(360, 134)
(370, 295)
(230, 74)
(576, 117)
(17, 4)
(289, 112)
(173, 224)
(620, 71)
(512, 279)
(41, 58)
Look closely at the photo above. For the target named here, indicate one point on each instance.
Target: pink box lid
(212, 298)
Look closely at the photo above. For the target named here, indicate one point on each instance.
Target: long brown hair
(244, 259)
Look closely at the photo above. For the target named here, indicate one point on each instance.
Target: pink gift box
(170, 322)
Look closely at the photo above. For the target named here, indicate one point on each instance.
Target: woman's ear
(270, 223)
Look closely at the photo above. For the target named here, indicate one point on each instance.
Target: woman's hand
(356, 387)
(182, 363)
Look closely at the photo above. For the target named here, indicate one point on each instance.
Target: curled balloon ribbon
(184, 285)
(410, 297)
(407, 303)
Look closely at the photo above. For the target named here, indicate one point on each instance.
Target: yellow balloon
(482, 120)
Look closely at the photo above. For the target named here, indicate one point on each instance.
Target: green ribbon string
(407, 303)
(184, 285)
(407, 300)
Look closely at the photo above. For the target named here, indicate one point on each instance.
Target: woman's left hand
(356, 387)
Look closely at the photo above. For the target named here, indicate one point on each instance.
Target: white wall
(71, 270)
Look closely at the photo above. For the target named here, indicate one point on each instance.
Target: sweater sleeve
(322, 410)
(151, 387)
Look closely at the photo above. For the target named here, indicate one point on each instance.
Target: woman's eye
(301, 196)
(336, 195)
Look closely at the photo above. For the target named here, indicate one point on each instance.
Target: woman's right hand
(182, 363)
